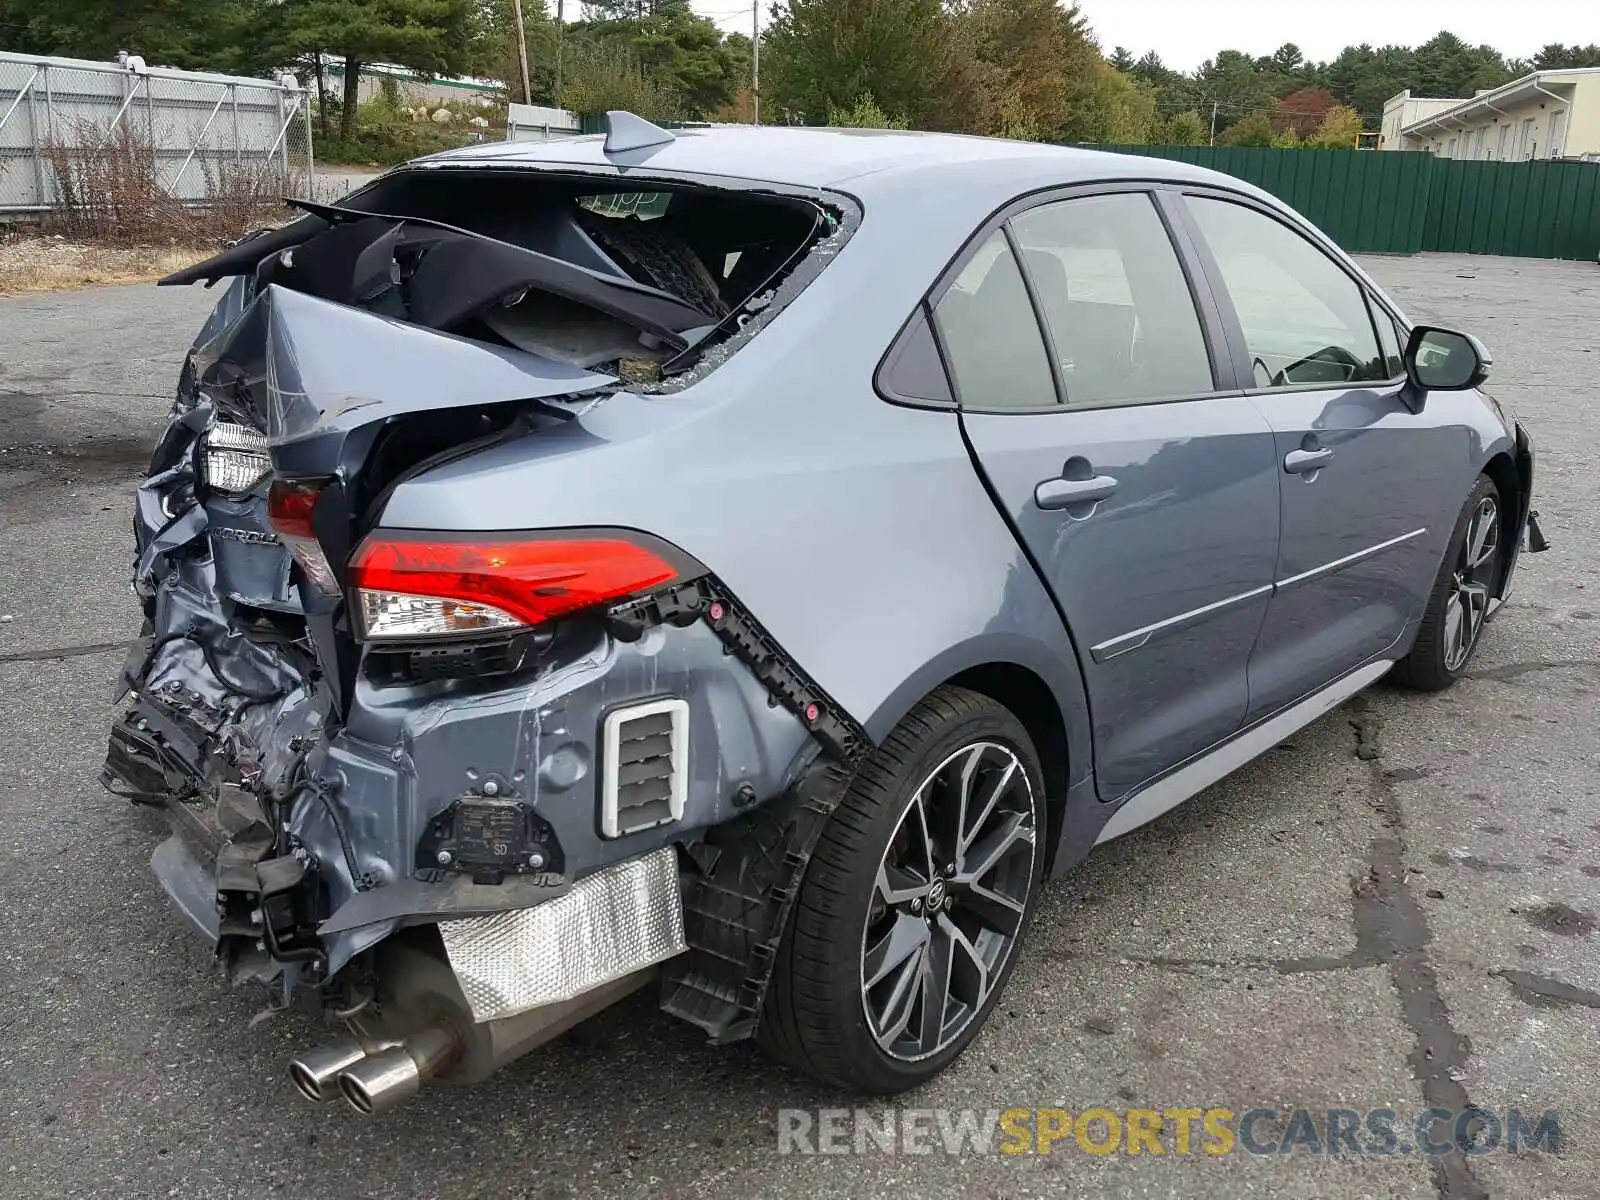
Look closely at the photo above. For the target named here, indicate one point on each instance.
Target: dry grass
(33, 263)
(113, 221)
(109, 191)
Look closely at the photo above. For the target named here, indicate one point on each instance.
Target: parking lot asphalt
(1396, 909)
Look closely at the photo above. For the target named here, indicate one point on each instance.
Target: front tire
(1458, 608)
(915, 902)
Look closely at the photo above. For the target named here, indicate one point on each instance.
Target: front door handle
(1063, 493)
(1303, 462)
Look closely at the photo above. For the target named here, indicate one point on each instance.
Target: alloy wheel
(1467, 603)
(948, 904)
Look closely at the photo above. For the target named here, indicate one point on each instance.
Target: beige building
(1549, 114)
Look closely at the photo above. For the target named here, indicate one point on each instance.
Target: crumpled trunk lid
(296, 366)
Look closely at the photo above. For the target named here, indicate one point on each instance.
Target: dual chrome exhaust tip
(316, 1073)
(374, 1077)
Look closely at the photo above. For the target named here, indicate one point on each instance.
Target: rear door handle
(1303, 462)
(1062, 493)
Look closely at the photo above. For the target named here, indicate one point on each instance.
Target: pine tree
(827, 54)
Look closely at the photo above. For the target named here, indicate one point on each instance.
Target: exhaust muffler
(376, 1074)
(381, 1082)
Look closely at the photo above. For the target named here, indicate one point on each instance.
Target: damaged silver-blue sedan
(747, 563)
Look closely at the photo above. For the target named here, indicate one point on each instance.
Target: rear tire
(915, 902)
(1470, 575)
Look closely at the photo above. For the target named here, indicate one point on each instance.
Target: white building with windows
(1548, 114)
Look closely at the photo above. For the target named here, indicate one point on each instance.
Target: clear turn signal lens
(394, 616)
(234, 459)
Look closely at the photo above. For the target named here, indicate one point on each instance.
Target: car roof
(831, 157)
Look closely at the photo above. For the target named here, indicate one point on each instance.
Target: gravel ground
(1395, 909)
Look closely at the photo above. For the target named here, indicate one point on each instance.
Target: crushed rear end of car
(460, 791)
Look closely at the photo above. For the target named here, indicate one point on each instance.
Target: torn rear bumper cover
(371, 811)
(619, 920)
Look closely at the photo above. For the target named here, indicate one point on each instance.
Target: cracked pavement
(1396, 908)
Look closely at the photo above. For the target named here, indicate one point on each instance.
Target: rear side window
(990, 336)
(1122, 322)
(1305, 321)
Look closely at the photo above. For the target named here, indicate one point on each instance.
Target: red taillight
(291, 504)
(418, 586)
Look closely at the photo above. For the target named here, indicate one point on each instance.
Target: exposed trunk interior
(636, 283)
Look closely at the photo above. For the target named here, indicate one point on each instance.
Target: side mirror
(1442, 360)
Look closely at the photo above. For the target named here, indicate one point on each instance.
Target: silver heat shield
(611, 923)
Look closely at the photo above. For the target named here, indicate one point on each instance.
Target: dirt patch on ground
(51, 264)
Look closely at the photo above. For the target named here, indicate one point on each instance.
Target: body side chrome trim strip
(1338, 563)
(1172, 790)
(1132, 640)
(1136, 638)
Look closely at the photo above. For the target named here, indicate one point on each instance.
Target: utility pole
(561, 29)
(522, 51)
(1213, 122)
(755, 57)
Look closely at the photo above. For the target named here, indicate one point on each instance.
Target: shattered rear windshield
(641, 284)
(646, 206)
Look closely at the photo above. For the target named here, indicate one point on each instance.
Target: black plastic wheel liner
(746, 874)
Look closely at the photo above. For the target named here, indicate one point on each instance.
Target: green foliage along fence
(1400, 202)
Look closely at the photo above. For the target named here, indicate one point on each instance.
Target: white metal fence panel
(538, 123)
(190, 128)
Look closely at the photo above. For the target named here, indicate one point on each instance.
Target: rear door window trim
(1052, 356)
(1201, 295)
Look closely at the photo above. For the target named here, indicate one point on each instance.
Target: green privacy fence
(1400, 202)
(1537, 209)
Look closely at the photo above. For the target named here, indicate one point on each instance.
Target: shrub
(600, 78)
(108, 191)
(865, 113)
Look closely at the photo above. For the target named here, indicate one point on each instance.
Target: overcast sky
(1186, 32)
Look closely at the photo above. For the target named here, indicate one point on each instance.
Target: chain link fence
(77, 137)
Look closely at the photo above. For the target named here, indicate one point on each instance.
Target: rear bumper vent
(645, 771)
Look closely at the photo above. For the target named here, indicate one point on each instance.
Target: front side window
(1304, 320)
(1122, 322)
(990, 336)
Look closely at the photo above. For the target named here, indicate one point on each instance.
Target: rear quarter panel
(855, 530)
